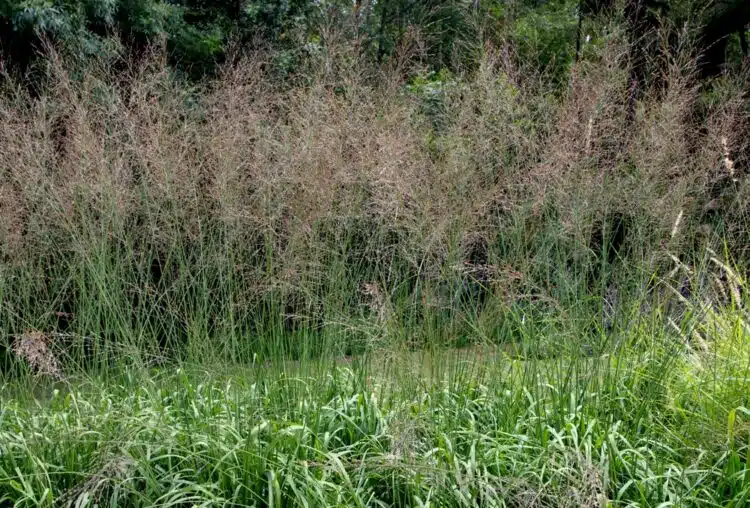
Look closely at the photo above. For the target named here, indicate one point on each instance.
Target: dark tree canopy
(198, 32)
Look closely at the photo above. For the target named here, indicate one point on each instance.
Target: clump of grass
(258, 289)
(645, 424)
(33, 348)
(138, 211)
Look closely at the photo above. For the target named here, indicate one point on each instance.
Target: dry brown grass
(146, 157)
(34, 348)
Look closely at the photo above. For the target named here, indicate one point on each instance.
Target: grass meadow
(351, 288)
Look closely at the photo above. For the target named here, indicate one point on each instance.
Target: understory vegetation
(377, 279)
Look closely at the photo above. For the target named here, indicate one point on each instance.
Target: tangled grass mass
(366, 285)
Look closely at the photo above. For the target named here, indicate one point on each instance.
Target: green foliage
(450, 33)
(656, 421)
(431, 89)
(82, 27)
(198, 32)
(545, 36)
